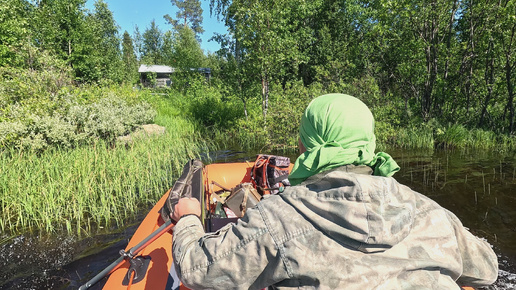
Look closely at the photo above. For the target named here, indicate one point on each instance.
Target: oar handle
(152, 237)
(129, 254)
(103, 274)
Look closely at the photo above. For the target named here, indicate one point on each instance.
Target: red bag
(270, 173)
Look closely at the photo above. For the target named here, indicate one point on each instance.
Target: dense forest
(418, 62)
(435, 73)
(450, 60)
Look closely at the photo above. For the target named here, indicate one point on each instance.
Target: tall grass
(456, 136)
(453, 136)
(414, 138)
(95, 186)
(101, 185)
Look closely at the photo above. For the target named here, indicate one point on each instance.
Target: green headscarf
(337, 130)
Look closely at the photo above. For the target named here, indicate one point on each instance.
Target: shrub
(285, 111)
(454, 136)
(111, 117)
(54, 131)
(33, 88)
(107, 119)
(246, 135)
(210, 109)
(11, 132)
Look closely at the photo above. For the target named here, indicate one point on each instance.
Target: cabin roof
(155, 68)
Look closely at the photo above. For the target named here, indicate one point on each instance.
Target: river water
(479, 187)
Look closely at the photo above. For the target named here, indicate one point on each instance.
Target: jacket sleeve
(241, 255)
(479, 261)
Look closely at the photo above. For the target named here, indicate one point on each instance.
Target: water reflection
(59, 262)
(479, 187)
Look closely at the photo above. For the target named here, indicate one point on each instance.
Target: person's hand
(186, 205)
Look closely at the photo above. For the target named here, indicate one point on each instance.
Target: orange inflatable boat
(160, 273)
(149, 252)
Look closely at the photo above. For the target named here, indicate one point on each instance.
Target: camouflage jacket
(337, 230)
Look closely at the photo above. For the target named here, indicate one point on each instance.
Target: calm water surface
(480, 188)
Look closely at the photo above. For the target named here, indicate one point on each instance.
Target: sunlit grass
(93, 186)
(421, 138)
(458, 137)
(100, 185)
(451, 137)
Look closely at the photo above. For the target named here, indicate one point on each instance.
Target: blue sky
(128, 13)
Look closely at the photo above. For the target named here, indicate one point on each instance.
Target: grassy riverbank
(394, 127)
(100, 182)
(451, 136)
(97, 185)
(248, 135)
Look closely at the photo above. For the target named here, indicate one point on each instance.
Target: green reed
(92, 186)
(451, 137)
(406, 138)
(459, 137)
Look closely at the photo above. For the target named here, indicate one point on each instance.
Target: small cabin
(161, 72)
(164, 73)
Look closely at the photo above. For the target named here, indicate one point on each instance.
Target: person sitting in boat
(344, 224)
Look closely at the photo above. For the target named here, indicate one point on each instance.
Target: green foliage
(237, 76)
(14, 29)
(152, 41)
(245, 134)
(432, 135)
(152, 79)
(387, 135)
(450, 60)
(482, 139)
(285, 114)
(87, 42)
(106, 48)
(69, 119)
(129, 59)
(109, 118)
(46, 131)
(452, 137)
(167, 49)
(187, 52)
(209, 107)
(458, 136)
(189, 15)
(10, 132)
(32, 91)
(91, 187)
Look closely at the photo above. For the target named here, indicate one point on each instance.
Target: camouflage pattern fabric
(337, 230)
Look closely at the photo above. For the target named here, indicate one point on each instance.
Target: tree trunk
(431, 66)
(510, 91)
(489, 80)
(469, 86)
(265, 94)
(510, 85)
(429, 33)
(440, 100)
(245, 109)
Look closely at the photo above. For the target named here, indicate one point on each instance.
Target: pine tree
(189, 15)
